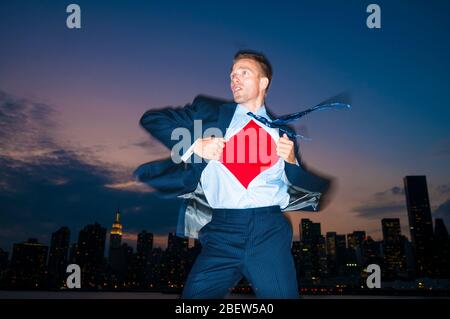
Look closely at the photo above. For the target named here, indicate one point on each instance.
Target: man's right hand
(209, 148)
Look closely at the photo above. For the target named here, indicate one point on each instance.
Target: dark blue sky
(71, 101)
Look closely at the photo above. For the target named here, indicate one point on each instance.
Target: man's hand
(285, 149)
(210, 148)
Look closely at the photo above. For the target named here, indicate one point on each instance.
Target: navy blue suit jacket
(171, 180)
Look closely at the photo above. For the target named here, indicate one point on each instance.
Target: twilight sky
(70, 102)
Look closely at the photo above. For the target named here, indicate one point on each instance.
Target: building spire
(117, 220)
(117, 226)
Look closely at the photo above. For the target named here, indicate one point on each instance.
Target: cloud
(377, 211)
(387, 203)
(25, 128)
(45, 185)
(443, 211)
(392, 203)
(132, 186)
(443, 189)
(393, 191)
(147, 143)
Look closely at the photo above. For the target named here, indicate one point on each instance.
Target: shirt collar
(242, 110)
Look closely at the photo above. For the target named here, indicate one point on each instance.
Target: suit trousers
(255, 243)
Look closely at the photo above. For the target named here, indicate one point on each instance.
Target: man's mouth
(236, 89)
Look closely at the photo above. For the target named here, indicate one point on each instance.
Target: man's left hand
(285, 149)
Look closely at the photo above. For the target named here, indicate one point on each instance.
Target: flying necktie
(285, 119)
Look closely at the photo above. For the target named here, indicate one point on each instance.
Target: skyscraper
(28, 263)
(90, 254)
(308, 229)
(341, 253)
(144, 243)
(175, 261)
(371, 252)
(57, 260)
(3, 261)
(313, 253)
(296, 254)
(420, 223)
(331, 253)
(355, 239)
(393, 249)
(116, 252)
(116, 231)
(353, 252)
(442, 249)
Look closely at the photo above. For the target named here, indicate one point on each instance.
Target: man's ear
(264, 82)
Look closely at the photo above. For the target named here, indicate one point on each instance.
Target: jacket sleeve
(168, 179)
(161, 123)
(171, 179)
(309, 181)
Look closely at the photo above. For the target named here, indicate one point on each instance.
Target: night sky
(71, 100)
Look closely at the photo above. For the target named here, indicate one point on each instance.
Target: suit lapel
(226, 112)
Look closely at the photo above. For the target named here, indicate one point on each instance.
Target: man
(235, 207)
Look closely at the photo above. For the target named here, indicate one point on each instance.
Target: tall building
(341, 253)
(409, 256)
(336, 248)
(58, 257)
(116, 251)
(296, 254)
(331, 253)
(393, 249)
(3, 267)
(3, 261)
(313, 252)
(129, 278)
(331, 243)
(355, 239)
(156, 277)
(116, 232)
(28, 263)
(420, 223)
(175, 262)
(141, 260)
(144, 243)
(308, 229)
(176, 243)
(371, 252)
(440, 230)
(73, 253)
(90, 254)
(353, 253)
(442, 249)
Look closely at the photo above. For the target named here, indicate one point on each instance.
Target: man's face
(247, 82)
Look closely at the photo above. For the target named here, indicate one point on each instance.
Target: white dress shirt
(223, 190)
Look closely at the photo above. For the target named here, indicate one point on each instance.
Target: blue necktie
(285, 119)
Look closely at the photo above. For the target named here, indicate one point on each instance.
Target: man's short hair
(260, 58)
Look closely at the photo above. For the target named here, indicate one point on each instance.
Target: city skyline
(322, 258)
(160, 240)
(117, 229)
(71, 100)
(134, 240)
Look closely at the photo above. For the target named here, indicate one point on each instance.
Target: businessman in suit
(235, 208)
